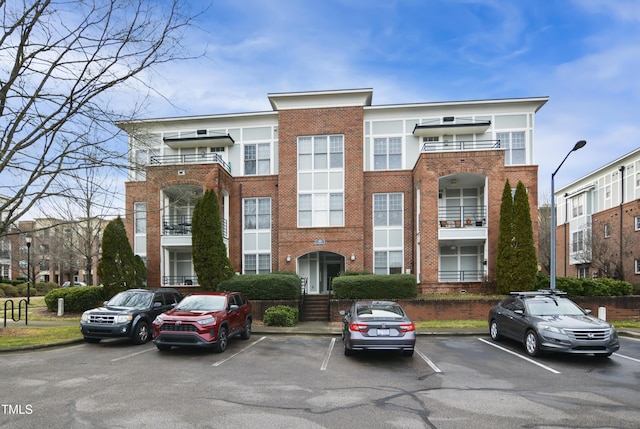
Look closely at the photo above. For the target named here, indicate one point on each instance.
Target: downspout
(565, 244)
(621, 169)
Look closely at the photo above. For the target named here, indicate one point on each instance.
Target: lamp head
(579, 145)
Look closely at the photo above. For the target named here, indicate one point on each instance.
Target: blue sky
(583, 54)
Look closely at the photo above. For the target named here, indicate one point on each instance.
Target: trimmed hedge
(76, 299)
(281, 315)
(587, 287)
(9, 290)
(264, 286)
(375, 286)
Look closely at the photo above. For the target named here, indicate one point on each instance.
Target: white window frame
(261, 159)
(140, 228)
(637, 264)
(321, 169)
(637, 223)
(607, 230)
(387, 151)
(513, 142)
(255, 225)
(388, 221)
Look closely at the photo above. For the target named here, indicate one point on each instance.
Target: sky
(583, 54)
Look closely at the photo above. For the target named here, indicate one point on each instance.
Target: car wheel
(246, 333)
(531, 345)
(494, 332)
(162, 347)
(92, 340)
(407, 352)
(221, 345)
(140, 333)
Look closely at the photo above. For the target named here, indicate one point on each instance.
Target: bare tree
(544, 234)
(62, 65)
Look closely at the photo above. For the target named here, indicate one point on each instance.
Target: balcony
(195, 158)
(462, 217)
(176, 225)
(461, 276)
(460, 145)
(179, 281)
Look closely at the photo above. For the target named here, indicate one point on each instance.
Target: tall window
(321, 181)
(388, 233)
(607, 230)
(256, 241)
(140, 228)
(387, 153)
(577, 205)
(637, 263)
(577, 241)
(514, 144)
(257, 159)
(637, 223)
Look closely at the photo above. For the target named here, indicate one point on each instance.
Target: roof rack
(540, 292)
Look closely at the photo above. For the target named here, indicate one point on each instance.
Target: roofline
(542, 100)
(604, 167)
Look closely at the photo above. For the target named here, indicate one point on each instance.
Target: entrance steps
(315, 308)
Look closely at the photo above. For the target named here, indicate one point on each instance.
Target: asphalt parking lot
(293, 381)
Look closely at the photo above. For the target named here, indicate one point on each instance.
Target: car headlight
(550, 328)
(123, 319)
(207, 321)
(84, 317)
(158, 320)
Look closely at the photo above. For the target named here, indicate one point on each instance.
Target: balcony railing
(180, 281)
(181, 225)
(460, 145)
(176, 225)
(461, 276)
(465, 216)
(194, 158)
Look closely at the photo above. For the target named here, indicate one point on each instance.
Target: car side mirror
(342, 312)
(233, 307)
(520, 312)
(157, 304)
(587, 311)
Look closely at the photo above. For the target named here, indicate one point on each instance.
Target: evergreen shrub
(9, 290)
(264, 286)
(281, 315)
(76, 299)
(375, 286)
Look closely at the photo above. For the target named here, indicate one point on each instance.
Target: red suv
(204, 319)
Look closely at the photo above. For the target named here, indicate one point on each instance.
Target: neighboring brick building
(327, 183)
(598, 228)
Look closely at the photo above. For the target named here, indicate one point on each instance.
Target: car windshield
(202, 303)
(379, 311)
(131, 300)
(553, 307)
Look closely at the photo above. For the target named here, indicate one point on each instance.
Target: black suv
(128, 314)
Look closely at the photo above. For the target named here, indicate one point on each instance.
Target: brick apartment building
(598, 228)
(326, 182)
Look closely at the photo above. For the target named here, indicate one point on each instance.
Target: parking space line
(520, 356)
(428, 361)
(627, 357)
(325, 362)
(132, 354)
(237, 353)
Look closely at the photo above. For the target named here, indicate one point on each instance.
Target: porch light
(288, 258)
(353, 256)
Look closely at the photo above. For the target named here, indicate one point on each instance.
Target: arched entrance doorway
(319, 269)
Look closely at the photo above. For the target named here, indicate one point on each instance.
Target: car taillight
(407, 327)
(361, 327)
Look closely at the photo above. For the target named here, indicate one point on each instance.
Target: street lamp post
(552, 266)
(28, 240)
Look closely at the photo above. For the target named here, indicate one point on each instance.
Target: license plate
(383, 332)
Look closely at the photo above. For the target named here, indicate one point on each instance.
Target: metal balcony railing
(176, 225)
(204, 158)
(464, 216)
(460, 145)
(461, 276)
(179, 281)
(181, 225)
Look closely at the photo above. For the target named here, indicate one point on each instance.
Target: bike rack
(13, 316)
